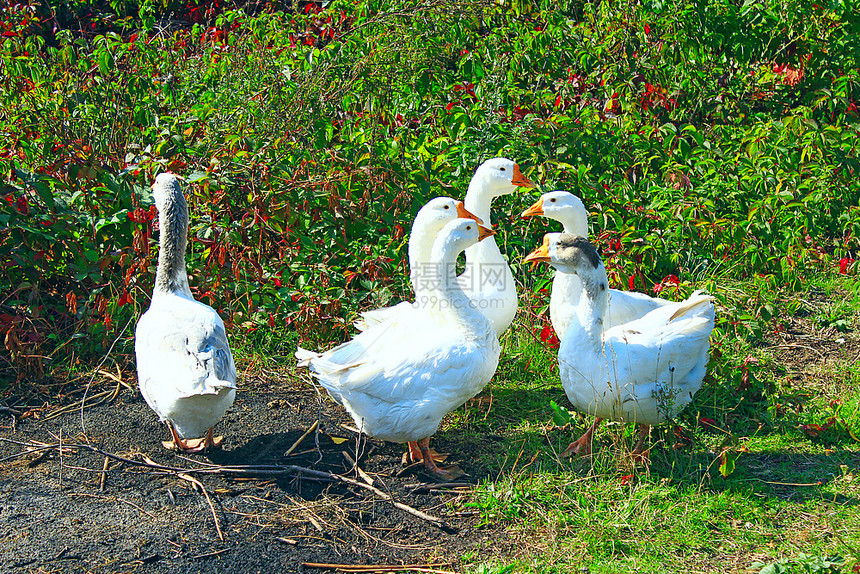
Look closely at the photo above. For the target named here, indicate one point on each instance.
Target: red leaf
(667, 281)
(631, 282)
(843, 265)
(548, 336)
(271, 320)
(647, 29)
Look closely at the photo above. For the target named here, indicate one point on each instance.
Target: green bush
(710, 142)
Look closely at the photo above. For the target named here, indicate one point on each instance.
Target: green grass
(791, 497)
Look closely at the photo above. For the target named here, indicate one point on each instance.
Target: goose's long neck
(452, 302)
(478, 201)
(593, 302)
(574, 224)
(170, 276)
(420, 243)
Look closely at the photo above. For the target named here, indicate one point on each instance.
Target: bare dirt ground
(76, 510)
(57, 515)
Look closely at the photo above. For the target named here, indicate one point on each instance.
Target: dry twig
(301, 438)
(196, 482)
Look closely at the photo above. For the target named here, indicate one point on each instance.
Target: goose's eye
(469, 228)
(552, 200)
(447, 206)
(501, 169)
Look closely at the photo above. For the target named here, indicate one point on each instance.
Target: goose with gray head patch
(644, 371)
(185, 370)
(623, 306)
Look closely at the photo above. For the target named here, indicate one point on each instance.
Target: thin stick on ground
(104, 474)
(86, 402)
(301, 438)
(124, 501)
(196, 482)
(364, 476)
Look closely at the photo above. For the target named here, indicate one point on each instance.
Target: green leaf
(727, 463)
(560, 415)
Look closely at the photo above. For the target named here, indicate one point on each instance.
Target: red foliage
(141, 215)
(666, 282)
(548, 336)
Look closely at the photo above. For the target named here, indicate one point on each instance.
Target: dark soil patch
(55, 518)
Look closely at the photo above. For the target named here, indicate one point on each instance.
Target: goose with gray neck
(644, 371)
(185, 368)
(398, 378)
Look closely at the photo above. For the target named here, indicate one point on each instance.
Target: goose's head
(498, 176)
(439, 211)
(461, 233)
(563, 207)
(569, 254)
(165, 189)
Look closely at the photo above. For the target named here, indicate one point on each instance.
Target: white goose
(427, 224)
(624, 306)
(644, 371)
(398, 379)
(488, 280)
(185, 370)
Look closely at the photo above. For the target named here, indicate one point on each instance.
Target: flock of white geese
(623, 356)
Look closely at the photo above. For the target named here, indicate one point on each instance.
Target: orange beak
(535, 209)
(465, 213)
(483, 232)
(539, 255)
(521, 180)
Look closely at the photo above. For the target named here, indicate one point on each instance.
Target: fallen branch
(253, 470)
